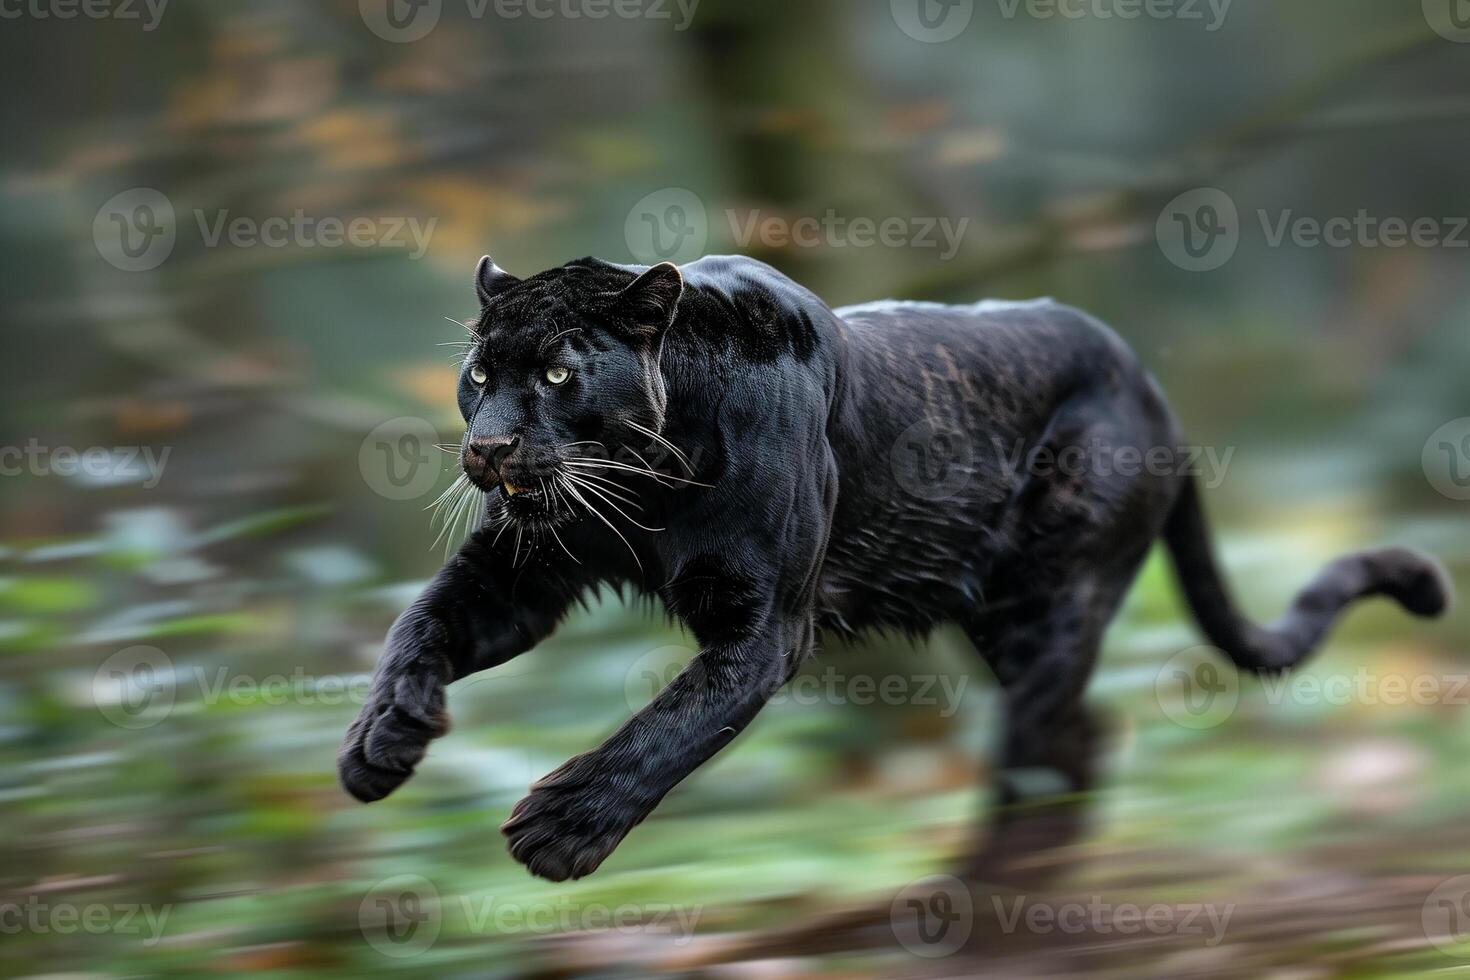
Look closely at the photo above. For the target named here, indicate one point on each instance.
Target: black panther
(775, 471)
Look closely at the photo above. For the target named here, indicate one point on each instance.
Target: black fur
(810, 503)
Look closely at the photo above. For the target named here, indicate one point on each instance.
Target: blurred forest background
(255, 573)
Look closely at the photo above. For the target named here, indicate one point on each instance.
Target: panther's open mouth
(526, 501)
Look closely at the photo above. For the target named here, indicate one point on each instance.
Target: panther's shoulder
(740, 277)
(753, 308)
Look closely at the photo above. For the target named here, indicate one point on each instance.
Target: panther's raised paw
(390, 736)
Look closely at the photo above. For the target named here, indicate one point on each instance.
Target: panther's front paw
(390, 736)
(567, 826)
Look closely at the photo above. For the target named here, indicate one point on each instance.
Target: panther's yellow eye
(478, 375)
(557, 375)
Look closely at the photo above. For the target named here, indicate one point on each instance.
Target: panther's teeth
(511, 489)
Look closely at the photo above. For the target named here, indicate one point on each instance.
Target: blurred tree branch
(1115, 218)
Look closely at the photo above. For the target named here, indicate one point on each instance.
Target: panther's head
(561, 376)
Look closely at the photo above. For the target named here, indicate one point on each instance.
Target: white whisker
(608, 500)
(688, 467)
(598, 514)
(559, 541)
(459, 481)
(608, 486)
(589, 462)
(646, 464)
(505, 524)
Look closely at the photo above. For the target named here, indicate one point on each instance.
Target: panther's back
(951, 399)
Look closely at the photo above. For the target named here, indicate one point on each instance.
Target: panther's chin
(523, 499)
(533, 505)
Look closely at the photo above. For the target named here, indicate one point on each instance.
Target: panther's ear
(491, 280)
(651, 300)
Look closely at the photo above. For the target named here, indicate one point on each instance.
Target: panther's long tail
(1412, 579)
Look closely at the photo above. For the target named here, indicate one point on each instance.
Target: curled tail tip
(1417, 581)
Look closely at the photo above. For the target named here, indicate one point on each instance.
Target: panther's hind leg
(1075, 535)
(1042, 650)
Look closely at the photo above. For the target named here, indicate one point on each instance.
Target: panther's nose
(491, 451)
